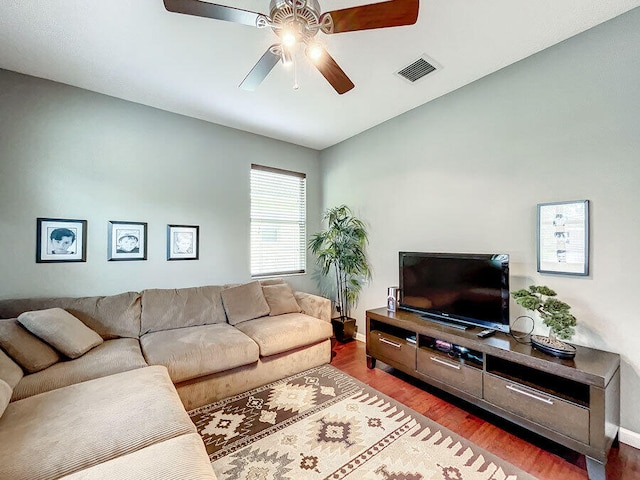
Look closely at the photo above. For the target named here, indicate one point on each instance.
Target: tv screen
(472, 289)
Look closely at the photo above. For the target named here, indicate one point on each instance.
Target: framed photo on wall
(127, 241)
(563, 237)
(61, 240)
(183, 242)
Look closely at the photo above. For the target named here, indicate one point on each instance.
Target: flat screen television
(457, 288)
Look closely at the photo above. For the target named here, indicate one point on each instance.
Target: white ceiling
(137, 51)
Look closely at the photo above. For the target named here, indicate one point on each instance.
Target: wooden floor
(539, 457)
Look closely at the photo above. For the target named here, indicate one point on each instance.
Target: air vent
(417, 70)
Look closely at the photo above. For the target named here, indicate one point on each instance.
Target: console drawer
(450, 371)
(552, 412)
(383, 345)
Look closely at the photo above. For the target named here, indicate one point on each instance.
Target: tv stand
(575, 402)
(447, 323)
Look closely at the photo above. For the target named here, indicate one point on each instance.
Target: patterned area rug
(324, 424)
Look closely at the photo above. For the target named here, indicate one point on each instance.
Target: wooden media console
(575, 402)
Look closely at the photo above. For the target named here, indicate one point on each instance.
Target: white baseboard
(629, 437)
(361, 337)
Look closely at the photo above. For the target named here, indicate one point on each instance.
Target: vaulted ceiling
(138, 51)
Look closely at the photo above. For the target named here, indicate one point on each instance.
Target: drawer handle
(514, 388)
(447, 364)
(389, 342)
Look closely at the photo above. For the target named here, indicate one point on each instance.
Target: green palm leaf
(340, 250)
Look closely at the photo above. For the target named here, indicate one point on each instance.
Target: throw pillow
(244, 302)
(61, 330)
(25, 349)
(280, 299)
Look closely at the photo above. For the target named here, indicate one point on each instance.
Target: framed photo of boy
(183, 242)
(563, 238)
(127, 241)
(61, 240)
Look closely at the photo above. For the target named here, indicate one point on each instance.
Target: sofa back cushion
(244, 302)
(164, 309)
(272, 281)
(26, 349)
(112, 316)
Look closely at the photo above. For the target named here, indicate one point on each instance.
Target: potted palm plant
(340, 251)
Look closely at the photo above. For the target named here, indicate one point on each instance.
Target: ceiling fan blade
(212, 10)
(261, 69)
(393, 13)
(332, 72)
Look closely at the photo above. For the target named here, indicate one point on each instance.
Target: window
(278, 221)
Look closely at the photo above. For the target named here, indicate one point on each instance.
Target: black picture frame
(563, 238)
(126, 241)
(183, 242)
(61, 240)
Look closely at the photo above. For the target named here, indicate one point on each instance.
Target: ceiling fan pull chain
(295, 73)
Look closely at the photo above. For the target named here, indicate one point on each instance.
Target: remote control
(486, 333)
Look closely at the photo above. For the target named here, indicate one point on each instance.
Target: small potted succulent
(555, 315)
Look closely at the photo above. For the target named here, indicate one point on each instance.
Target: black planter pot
(344, 328)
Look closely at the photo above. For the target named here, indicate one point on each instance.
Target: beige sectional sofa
(118, 409)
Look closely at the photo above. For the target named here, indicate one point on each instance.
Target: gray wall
(464, 174)
(69, 153)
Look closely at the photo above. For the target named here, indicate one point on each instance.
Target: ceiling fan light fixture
(289, 37)
(298, 22)
(314, 52)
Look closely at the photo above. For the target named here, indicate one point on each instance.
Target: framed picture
(183, 242)
(127, 241)
(61, 240)
(563, 237)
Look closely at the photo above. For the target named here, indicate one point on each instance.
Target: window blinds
(278, 221)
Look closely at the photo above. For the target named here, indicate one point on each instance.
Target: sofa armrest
(314, 305)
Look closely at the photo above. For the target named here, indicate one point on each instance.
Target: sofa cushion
(286, 332)
(10, 371)
(179, 458)
(110, 316)
(163, 309)
(272, 281)
(61, 330)
(112, 356)
(193, 352)
(70, 429)
(280, 299)
(244, 302)
(5, 395)
(26, 349)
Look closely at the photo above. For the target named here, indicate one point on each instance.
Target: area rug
(324, 424)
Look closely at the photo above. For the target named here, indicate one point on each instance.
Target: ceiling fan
(297, 22)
